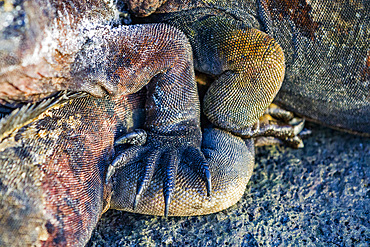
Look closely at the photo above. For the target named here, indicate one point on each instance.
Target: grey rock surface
(315, 196)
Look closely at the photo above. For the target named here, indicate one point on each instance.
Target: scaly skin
(53, 164)
(247, 63)
(52, 190)
(63, 153)
(326, 47)
(55, 155)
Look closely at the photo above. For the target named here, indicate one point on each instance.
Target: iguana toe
(200, 165)
(129, 155)
(170, 179)
(145, 179)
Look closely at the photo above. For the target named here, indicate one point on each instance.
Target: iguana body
(52, 190)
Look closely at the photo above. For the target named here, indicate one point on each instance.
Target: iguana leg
(249, 66)
(172, 112)
(123, 61)
(159, 58)
(276, 126)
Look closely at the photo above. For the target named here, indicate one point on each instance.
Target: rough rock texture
(315, 196)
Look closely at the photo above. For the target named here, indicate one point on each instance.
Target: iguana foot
(230, 160)
(279, 126)
(164, 152)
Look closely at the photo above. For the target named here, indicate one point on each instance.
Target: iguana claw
(137, 138)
